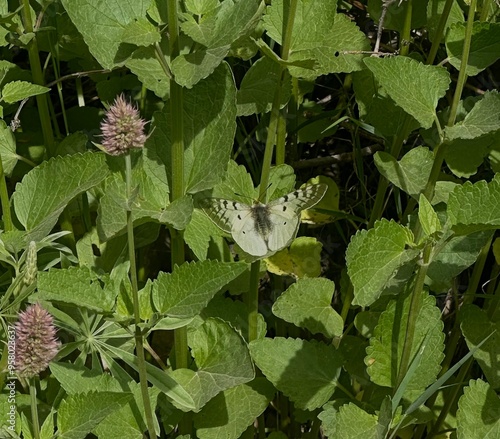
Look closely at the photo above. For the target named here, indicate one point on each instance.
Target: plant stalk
(34, 408)
(141, 360)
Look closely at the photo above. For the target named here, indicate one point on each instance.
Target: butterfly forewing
(224, 212)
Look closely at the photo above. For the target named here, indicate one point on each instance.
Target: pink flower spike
(122, 128)
(36, 342)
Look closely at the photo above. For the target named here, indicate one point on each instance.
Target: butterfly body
(263, 229)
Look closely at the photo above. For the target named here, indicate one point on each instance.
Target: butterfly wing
(237, 219)
(285, 214)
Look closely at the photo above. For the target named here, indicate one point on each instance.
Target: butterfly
(263, 229)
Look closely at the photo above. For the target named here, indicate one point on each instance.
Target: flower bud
(31, 264)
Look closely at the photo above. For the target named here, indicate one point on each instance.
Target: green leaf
(410, 173)
(434, 13)
(222, 361)
(415, 87)
(349, 422)
(191, 286)
(258, 86)
(208, 138)
(305, 371)
(80, 413)
(200, 7)
(321, 41)
(16, 91)
(484, 118)
(198, 232)
(476, 326)
(379, 110)
(215, 32)
(46, 190)
(459, 253)
(307, 304)
(484, 46)
(103, 24)
(464, 156)
(384, 353)
(77, 286)
(478, 415)
(229, 413)
(397, 12)
(473, 207)
(141, 32)
(428, 217)
(373, 257)
(7, 149)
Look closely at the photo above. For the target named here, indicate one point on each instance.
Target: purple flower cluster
(122, 128)
(36, 342)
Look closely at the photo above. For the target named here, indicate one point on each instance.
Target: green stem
(404, 45)
(4, 198)
(252, 301)
(37, 73)
(34, 408)
(413, 313)
(141, 360)
(439, 31)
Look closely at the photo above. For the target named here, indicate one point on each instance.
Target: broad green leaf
(7, 149)
(308, 304)
(222, 361)
(484, 118)
(327, 45)
(465, 156)
(428, 217)
(373, 257)
(476, 326)
(379, 110)
(397, 12)
(484, 46)
(125, 423)
(234, 312)
(9, 411)
(77, 286)
(348, 422)
(473, 207)
(478, 415)
(459, 253)
(258, 87)
(215, 32)
(189, 288)
(103, 24)
(80, 413)
(410, 173)
(415, 87)
(141, 32)
(16, 91)
(145, 65)
(232, 411)
(305, 371)
(198, 232)
(302, 259)
(200, 7)
(46, 190)
(384, 353)
(434, 13)
(78, 379)
(210, 107)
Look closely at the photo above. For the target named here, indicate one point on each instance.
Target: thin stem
(34, 408)
(404, 45)
(413, 313)
(141, 360)
(438, 36)
(4, 199)
(252, 301)
(36, 69)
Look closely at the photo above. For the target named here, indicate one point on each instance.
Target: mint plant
(374, 124)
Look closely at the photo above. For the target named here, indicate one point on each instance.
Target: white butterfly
(263, 229)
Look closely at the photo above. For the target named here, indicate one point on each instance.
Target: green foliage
(360, 325)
